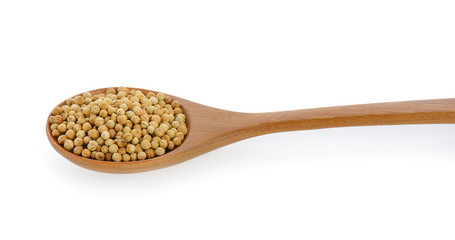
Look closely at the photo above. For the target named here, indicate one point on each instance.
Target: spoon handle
(395, 113)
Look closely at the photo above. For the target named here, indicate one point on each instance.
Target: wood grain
(211, 128)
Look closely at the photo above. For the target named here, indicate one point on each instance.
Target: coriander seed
(86, 139)
(130, 148)
(159, 151)
(122, 143)
(61, 139)
(155, 144)
(117, 157)
(92, 145)
(102, 128)
(104, 149)
(126, 157)
(105, 135)
(78, 142)
(150, 153)
(68, 145)
(86, 153)
(57, 111)
(141, 155)
(122, 150)
(99, 121)
(99, 156)
(95, 109)
(110, 124)
(70, 134)
(136, 133)
(163, 143)
(58, 119)
(78, 150)
(93, 134)
(159, 132)
(146, 144)
(86, 127)
(113, 148)
(128, 137)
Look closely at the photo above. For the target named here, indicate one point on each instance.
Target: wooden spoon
(211, 128)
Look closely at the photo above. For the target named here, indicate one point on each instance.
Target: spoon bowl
(211, 128)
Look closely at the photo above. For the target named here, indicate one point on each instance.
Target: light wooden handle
(395, 113)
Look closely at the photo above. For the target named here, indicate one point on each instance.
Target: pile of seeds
(119, 125)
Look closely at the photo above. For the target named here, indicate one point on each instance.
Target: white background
(250, 56)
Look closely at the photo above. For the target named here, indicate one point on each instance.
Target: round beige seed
(122, 150)
(130, 148)
(122, 143)
(170, 145)
(146, 144)
(104, 149)
(182, 129)
(147, 137)
(135, 119)
(159, 132)
(58, 119)
(78, 150)
(61, 139)
(177, 141)
(92, 145)
(136, 133)
(141, 155)
(86, 126)
(57, 111)
(150, 153)
(102, 128)
(135, 141)
(99, 156)
(163, 143)
(122, 119)
(86, 153)
(109, 142)
(80, 134)
(110, 124)
(68, 145)
(126, 157)
(95, 109)
(78, 142)
(113, 148)
(159, 151)
(179, 135)
(93, 134)
(55, 133)
(86, 95)
(128, 137)
(150, 129)
(160, 96)
(155, 144)
(79, 100)
(70, 134)
(117, 157)
(105, 135)
(86, 139)
(61, 127)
